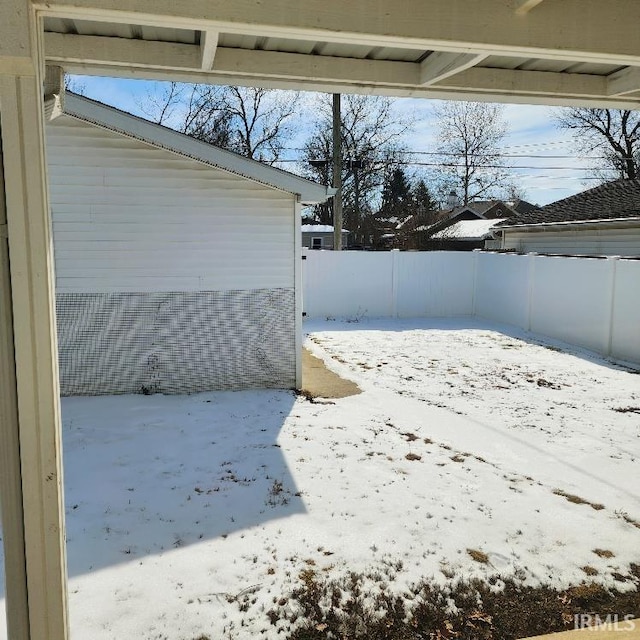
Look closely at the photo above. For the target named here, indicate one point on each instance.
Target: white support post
(304, 278)
(395, 268)
(474, 289)
(35, 485)
(531, 274)
(297, 224)
(337, 174)
(613, 265)
(10, 474)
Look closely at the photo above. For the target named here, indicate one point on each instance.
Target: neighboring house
(415, 232)
(177, 263)
(448, 231)
(466, 235)
(320, 236)
(493, 209)
(521, 206)
(604, 220)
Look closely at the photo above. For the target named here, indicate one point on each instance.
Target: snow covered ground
(466, 437)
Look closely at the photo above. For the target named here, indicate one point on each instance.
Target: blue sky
(554, 170)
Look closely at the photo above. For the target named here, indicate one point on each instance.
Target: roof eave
(568, 224)
(157, 135)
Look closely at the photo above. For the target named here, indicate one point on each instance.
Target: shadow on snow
(147, 474)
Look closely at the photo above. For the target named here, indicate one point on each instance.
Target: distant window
(316, 243)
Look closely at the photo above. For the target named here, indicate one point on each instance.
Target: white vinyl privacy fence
(589, 302)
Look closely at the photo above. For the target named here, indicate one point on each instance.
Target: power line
(417, 163)
(492, 155)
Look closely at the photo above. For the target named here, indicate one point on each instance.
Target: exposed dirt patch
(320, 382)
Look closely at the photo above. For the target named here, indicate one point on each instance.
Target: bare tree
(470, 135)
(74, 84)
(613, 135)
(253, 122)
(372, 145)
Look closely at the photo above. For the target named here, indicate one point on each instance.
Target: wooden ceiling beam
(524, 6)
(68, 49)
(208, 48)
(592, 30)
(624, 82)
(94, 55)
(440, 65)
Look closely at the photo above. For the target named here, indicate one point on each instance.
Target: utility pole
(337, 175)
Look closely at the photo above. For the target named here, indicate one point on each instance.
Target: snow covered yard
(472, 451)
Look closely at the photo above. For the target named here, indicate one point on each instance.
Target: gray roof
(609, 201)
(522, 206)
(157, 135)
(483, 207)
(480, 206)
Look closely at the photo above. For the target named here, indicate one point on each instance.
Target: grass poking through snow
(478, 556)
(578, 500)
(360, 606)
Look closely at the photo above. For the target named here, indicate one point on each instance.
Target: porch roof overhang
(574, 52)
(553, 52)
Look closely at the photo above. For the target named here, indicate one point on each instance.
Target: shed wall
(171, 276)
(131, 217)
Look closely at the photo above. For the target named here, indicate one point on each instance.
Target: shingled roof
(609, 201)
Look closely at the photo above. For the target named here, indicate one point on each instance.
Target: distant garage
(177, 263)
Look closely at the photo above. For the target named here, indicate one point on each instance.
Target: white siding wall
(603, 242)
(172, 276)
(129, 217)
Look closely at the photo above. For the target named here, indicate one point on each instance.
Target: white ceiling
(584, 52)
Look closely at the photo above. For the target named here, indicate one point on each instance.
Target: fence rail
(589, 302)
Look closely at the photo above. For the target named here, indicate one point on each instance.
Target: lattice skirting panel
(176, 342)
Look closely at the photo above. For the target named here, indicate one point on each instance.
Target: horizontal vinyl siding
(130, 217)
(619, 242)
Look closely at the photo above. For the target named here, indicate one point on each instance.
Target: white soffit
(568, 52)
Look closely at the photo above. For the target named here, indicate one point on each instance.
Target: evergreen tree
(423, 201)
(397, 200)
